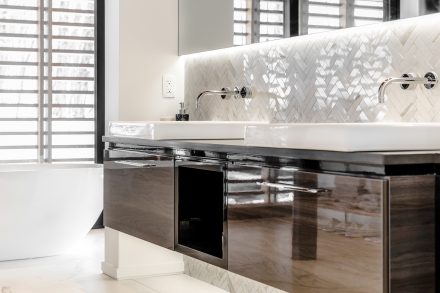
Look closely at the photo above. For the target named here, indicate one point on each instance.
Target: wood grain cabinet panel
(412, 234)
(327, 242)
(298, 231)
(139, 196)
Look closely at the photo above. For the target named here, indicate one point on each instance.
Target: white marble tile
(179, 284)
(224, 279)
(32, 274)
(331, 77)
(57, 273)
(207, 273)
(64, 288)
(104, 284)
(241, 284)
(78, 271)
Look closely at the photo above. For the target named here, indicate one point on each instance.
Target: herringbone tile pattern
(331, 77)
(224, 279)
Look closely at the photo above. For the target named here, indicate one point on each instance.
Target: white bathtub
(46, 209)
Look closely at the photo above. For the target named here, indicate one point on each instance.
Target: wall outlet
(168, 86)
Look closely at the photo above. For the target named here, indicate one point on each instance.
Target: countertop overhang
(380, 163)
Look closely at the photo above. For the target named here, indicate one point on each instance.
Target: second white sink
(161, 130)
(347, 137)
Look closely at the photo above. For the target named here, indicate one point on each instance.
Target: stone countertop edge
(238, 147)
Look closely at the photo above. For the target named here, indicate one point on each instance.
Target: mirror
(214, 24)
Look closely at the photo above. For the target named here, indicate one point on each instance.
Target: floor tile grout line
(143, 285)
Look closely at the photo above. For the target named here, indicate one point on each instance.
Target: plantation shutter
(268, 19)
(47, 80)
(326, 15)
(265, 20)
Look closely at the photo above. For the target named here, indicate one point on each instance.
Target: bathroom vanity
(297, 220)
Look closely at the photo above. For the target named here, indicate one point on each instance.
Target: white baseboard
(121, 273)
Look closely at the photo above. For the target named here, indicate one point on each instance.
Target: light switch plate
(168, 86)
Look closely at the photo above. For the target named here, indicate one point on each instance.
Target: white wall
(148, 48)
(141, 46)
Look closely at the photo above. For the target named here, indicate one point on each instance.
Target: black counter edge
(361, 163)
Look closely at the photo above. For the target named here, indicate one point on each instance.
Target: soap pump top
(182, 108)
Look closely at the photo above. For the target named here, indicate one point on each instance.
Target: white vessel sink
(162, 130)
(347, 137)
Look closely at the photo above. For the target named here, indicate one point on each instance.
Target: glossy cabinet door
(139, 195)
(306, 232)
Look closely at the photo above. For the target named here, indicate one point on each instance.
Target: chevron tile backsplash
(330, 77)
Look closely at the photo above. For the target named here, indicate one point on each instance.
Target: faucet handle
(432, 79)
(407, 86)
(229, 92)
(246, 92)
(429, 81)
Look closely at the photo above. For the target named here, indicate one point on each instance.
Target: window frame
(99, 80)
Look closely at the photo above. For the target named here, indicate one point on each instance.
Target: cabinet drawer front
(306, 232)
(139, 196)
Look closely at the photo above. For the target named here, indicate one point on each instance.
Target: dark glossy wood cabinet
(296, 230)
(139, 195)
(307, 232)
(412, 234)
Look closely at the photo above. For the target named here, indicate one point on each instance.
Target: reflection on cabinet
(139, 195)
(327, 237)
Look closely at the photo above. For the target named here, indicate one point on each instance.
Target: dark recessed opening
(200, 220)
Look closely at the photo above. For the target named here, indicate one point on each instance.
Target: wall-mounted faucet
(243, 92)
(408, 81)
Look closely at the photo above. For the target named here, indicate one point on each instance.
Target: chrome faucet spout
(209, 92)
(223, 93)
(384, 85)
(406, 81)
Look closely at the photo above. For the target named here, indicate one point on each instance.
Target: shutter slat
(53, 132)
(24, 21)
(18, 7)
(14, 63)
(325, 15)
(35, 50)
(3, 91)
(86, 106)
(325, 3)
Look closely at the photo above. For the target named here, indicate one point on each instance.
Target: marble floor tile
(104, 284)
(30, 275)
(179, 284)
(79, 271)
(61, 288)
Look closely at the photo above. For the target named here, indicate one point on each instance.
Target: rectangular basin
(346, 137)
(163, 130)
